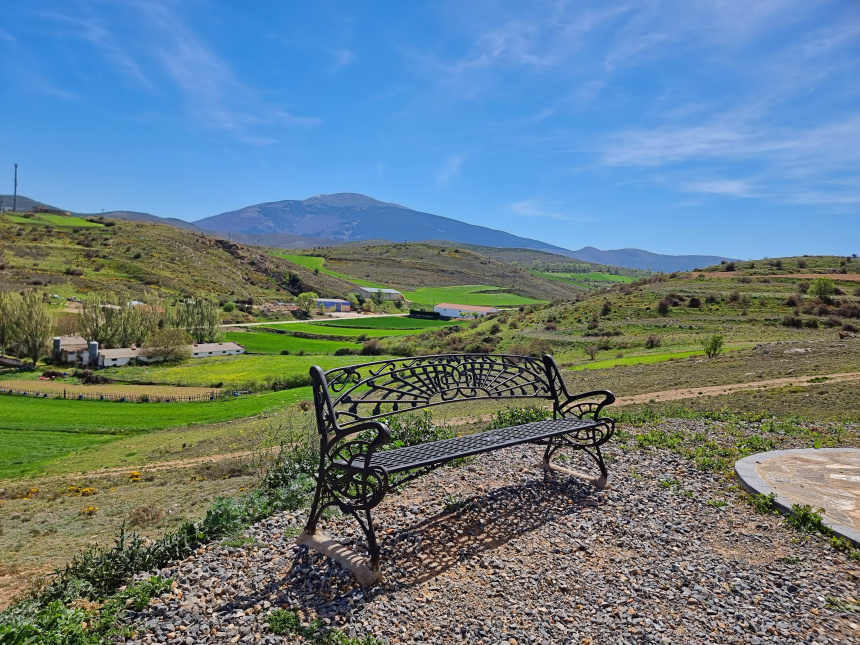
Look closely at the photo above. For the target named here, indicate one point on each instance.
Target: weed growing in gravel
(803, 518)
(842, 605)
(453, 502)
(79, 622)
(791, 559)
(718, 503)
(286, 623)
(764, 504)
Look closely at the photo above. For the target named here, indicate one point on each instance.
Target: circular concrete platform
(827, 478)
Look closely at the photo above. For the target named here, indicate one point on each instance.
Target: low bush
(652, 341)
(792, 321)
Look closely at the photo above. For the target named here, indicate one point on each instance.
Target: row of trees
(113, 321)
(25, 325)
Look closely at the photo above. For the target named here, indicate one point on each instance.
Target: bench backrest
(346, 396)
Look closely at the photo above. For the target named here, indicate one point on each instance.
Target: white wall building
(463, 311)
(205, 350)
(387, 294)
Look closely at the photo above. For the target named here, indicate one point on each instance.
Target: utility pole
(15, 195)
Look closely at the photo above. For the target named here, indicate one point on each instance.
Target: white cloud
(450, 168)
(536, 208)
(341, 58)
(727, 187)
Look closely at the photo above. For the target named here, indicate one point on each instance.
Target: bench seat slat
(445, 450)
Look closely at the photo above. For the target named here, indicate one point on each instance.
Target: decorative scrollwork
(355, 490)
(372, 390)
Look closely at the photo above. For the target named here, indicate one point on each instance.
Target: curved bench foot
(353, 563)
(601, 482)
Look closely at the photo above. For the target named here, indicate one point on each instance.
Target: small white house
(387, 294)
(205, 350)
(463, 311)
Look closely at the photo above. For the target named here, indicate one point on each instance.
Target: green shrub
(713, 345)
(764, 504)
(803, 518)
(515, 416)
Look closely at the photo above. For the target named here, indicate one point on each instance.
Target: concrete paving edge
(747, 474)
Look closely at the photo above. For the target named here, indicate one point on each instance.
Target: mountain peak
(340, 200)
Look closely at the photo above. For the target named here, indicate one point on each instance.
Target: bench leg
(313, 538)
(601, 482)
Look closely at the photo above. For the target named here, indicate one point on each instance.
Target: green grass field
(269, 343)
(386, 322)
(351, 332)
(469, 295)
(23, 452)
(242, 370)
(315, 263)
(53, 220)
(21, 413)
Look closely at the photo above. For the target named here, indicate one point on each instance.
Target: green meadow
(271, 343)
(53, 220)
(475, 294)
(247, 370)
(386, 322)
(316, 263)
(322, 330)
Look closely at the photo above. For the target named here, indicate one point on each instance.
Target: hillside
(416, 265)
(351, 217)
(74, 256)
(645, 260)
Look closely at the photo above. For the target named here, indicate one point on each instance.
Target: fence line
(124, 398)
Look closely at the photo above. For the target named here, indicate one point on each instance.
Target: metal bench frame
(354, 473)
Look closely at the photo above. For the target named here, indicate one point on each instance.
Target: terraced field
(475, 294)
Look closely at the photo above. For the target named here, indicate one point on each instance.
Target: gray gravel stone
(531, 558)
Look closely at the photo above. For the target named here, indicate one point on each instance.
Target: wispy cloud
(213, 95)
(725, 187)
(450, 168)
(341, 58)
(536, 208)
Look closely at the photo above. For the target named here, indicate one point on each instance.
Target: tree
(591, 350)
(10, 307)
(713, 345)
(822, 287)
(171, 344)
(378, 298)
(354, 304)
(34, 327)
(306, 301)
(112, 321)
(200, 318)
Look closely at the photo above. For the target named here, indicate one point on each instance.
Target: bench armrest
(347, 448)
(588, 408)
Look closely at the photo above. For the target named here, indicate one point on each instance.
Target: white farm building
(463, 311)
(95, 357)
(387, 294)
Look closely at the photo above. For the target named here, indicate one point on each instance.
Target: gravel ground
(496, 552)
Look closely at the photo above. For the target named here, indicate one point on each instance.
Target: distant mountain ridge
(343, 218)
(350, 217)
(639, 259)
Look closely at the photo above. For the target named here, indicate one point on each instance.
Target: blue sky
(723, 127)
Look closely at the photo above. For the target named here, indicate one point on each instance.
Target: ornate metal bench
(354, 473)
